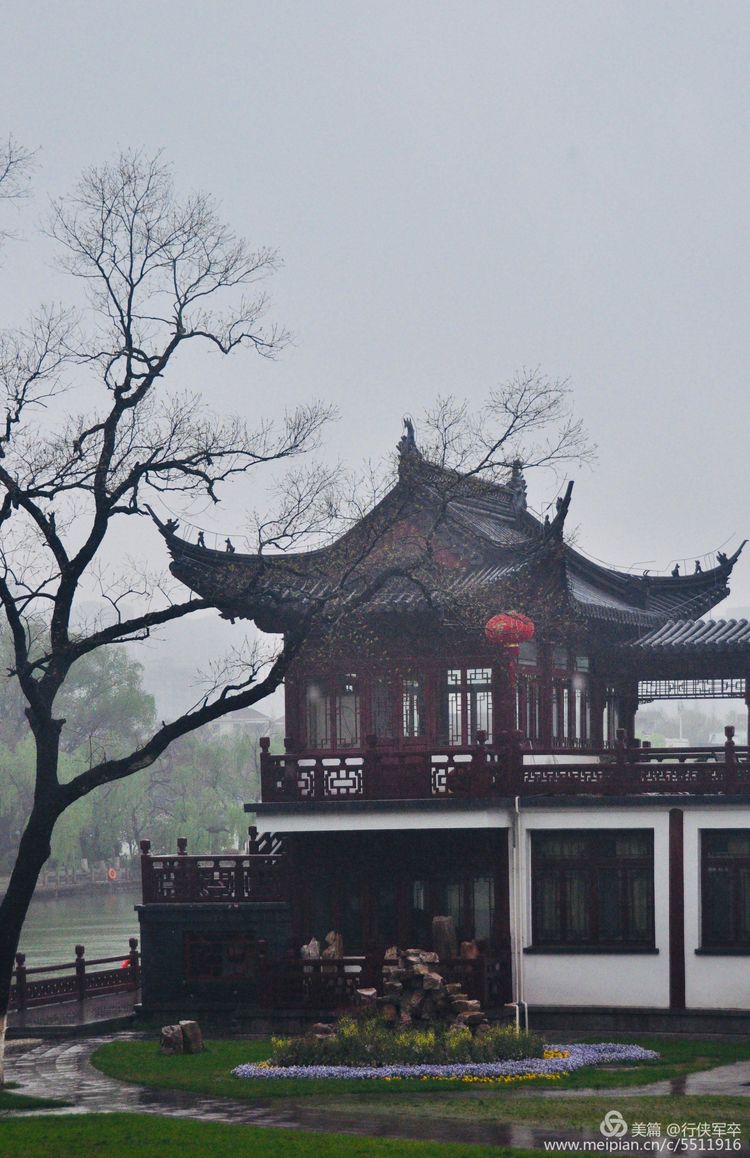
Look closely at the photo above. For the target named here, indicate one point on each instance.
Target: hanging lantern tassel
(510, 630)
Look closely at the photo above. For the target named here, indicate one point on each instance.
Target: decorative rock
(171, 1039)
(323, 1029)
(192, 1038)
(444, 937)
(469, 951)
(367, 996)
(414, 1003)
(334, 946)
(311, 951)
(415, 990)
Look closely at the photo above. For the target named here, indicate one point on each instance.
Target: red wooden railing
(74, 980)
(232, 878)
(506, 769)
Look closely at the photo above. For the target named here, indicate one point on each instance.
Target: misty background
(457, 191)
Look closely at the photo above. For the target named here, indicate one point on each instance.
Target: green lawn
(210, 1072)
(148, 1136)
(9, 1100)
(559, 1113)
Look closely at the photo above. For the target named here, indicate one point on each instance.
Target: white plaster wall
(712, 982)
(374, 820)
(606, 978)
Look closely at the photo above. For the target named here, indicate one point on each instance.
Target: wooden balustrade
(74, 980)
(318, 984)
(203, 879)
(490, 771)
(328, 985)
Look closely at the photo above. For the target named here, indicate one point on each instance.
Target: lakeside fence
(74, 980)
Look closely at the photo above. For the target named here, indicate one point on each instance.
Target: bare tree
(161, 275)
(15, 166)
(529, 419)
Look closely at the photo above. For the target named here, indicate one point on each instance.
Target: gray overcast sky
(457, 190)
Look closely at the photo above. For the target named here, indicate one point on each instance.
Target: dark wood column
(676, 910)
(626, 700)
(503, 707)
(545, 697)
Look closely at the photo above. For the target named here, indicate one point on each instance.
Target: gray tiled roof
(700, 634)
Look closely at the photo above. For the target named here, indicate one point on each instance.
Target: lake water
(102, 921)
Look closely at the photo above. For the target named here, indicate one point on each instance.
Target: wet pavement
(63, 1070)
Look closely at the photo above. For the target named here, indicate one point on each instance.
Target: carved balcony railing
(75, 980)
(233, 879)
(510, 768)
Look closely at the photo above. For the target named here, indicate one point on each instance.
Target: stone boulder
(192, 1038)
(171, 1039)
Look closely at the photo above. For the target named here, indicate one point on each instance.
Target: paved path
(63, 1070)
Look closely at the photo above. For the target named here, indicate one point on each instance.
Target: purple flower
(578, 1056)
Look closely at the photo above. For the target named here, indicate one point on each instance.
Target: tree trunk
(33, 851)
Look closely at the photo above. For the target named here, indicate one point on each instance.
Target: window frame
(593, 864)
(464, 689)
(736, 864)
(330, 685)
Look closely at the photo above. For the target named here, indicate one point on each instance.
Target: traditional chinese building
(430, 772)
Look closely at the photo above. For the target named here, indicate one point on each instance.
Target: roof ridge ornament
(407, 444)
(517, 487)
(554, 529)
(409, 455)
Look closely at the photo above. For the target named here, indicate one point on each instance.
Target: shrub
(371, 1042)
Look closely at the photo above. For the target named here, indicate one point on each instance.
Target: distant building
(248, 722)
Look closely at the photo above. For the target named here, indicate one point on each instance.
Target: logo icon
(613, 1125)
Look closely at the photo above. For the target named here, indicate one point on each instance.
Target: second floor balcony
(506, 769)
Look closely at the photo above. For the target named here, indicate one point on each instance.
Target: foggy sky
(457, 190)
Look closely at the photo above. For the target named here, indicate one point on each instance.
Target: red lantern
(510, 630)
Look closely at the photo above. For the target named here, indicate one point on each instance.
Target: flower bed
(557, 1062)
(370, 1041)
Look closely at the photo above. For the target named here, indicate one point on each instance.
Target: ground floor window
(725, 892)
(593, 888)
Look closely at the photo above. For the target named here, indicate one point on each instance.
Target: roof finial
(517, 486)
(407, 442)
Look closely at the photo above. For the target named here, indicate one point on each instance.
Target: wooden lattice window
(413, 706)
(466, 704)
(332, 712)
